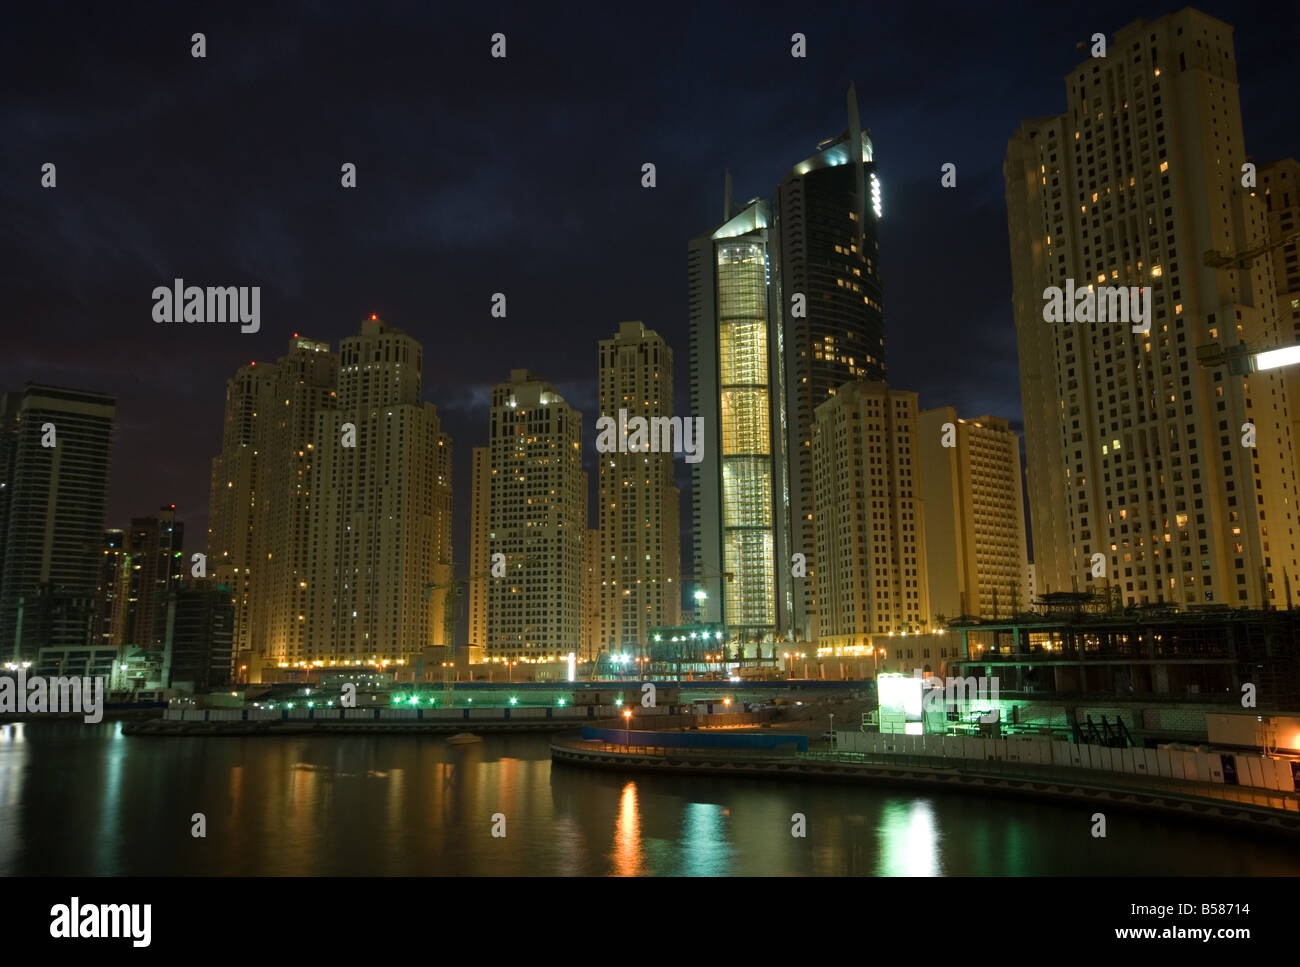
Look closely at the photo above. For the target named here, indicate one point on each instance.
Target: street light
(627, 725)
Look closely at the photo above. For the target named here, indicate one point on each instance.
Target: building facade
(827, 254)
(380, 515)
(739, 503)
(640, 554)
(537, 517)
(870, 529)
(976, 553)
(55, 446)
(1139, 481)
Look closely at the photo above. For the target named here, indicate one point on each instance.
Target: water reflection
(909, 840)
(82, 800)
(627, 834)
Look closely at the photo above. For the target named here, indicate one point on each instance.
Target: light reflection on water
(86, 800)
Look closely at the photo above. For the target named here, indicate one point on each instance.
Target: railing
(1179, 789)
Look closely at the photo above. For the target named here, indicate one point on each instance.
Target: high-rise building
(300, 388)
(738, 498)
(259, 534)
(1139, 482)
(827, 253)
(976, 553)
(785, 306)
(54, 462)
(155, 567)
(198, 636)
(537, 518)
(870, 528)
(640, 555)
(232, 495)
(1279, 183)
(380, 511)
(112, 596)
(479, 561)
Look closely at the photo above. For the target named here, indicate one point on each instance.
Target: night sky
(478, 175)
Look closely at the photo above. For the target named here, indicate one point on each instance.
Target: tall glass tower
(785, 308)
(827, 255)
(739, 499)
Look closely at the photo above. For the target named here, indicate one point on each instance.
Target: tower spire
(855, 154)
(726, 195)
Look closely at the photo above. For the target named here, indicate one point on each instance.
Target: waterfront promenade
(1236, 805)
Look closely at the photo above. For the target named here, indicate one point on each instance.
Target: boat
(463, 738)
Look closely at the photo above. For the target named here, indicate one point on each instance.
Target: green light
(618, 701)
(513, 700)
(311, 704)
(560, 702)
(289, 705)
(415, 700)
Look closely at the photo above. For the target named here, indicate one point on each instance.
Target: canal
(86, 800)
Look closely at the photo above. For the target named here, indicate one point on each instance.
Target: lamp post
(627, 726)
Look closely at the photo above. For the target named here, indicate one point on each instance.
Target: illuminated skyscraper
(870, 529)
(976, 553)
(537, 519)
(1134, 451)
(381, 508)
(785, 307)
(263, 483)
(739, 487)
(640, 556)
(827, 254)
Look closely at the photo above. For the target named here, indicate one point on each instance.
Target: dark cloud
(520, 176)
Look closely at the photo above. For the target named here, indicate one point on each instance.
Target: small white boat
(463, 738)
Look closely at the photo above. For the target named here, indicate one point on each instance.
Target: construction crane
(1239, 260)
(1240, 359)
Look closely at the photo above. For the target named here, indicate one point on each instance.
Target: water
(86, 800)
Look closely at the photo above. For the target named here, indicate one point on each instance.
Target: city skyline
(744, 443)
(98, 333)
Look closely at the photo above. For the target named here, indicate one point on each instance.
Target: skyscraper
(785, 307)
(1137, 469)
(479, 562)
(300, 388)
(739, 487)
(537, 518)
(154, 568)
(640, 555)
(54, 461)
(381, 508)
(232, 495)
(259, 533)
(870, 528)
(976, 553)
(827, 253)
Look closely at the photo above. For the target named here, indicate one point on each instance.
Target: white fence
(394, 714)
(1252, 770)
